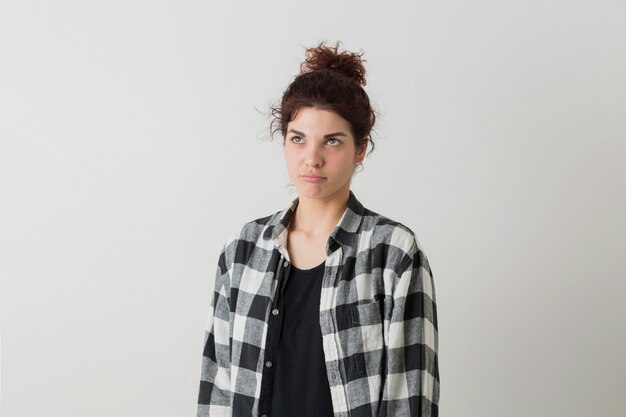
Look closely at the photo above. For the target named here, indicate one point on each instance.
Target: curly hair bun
(324, 57)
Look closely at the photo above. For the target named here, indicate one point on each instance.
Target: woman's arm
(215, 394)
(411, 386)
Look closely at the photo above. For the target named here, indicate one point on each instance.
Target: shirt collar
(343, 233)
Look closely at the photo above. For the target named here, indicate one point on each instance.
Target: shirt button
(275, 312)
(268, 364)
(285, 264)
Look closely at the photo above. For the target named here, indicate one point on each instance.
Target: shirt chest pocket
(365, 343)
(366, 314)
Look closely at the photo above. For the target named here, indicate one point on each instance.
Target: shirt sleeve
(411, 384)
(214, 397)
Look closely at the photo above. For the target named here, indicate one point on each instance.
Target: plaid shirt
(377, 316)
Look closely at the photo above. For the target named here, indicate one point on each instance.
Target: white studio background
(131, 146)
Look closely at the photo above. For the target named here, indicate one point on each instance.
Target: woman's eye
(333, 141)
(296, 139)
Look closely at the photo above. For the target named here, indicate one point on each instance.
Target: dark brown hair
(330, 80)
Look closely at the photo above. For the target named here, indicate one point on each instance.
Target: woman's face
(320, 153)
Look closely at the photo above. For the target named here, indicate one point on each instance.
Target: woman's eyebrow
(296, 132)
(325, 136)
(334, 134)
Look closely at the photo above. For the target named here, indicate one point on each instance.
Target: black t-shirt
(301, 385)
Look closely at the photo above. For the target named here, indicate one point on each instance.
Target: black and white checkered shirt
(377, 316)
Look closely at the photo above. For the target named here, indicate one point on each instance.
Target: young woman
(325, 308)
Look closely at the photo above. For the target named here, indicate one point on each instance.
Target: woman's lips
(313, 178)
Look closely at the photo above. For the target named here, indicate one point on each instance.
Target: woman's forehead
(311, 120)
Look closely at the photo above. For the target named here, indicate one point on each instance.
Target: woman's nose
(313, 157)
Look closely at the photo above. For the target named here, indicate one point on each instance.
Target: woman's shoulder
(393, 237)
(253, 231)
(247, 237)
(390, 231)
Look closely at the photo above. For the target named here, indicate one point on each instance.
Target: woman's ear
(360, 155)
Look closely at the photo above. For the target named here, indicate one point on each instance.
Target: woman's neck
(318, 217)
